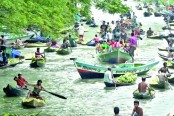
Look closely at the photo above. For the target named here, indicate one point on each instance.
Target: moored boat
(64, 51)
(148, 95)
(117, 84)
(12, 62)
(50, 49)
(33, 102)
(38, 62)
(88, 71)
(11, 91)
(29, 45)
(116, 56)
(165, 49)
(155, 37)
(171, 80)
(162, 85)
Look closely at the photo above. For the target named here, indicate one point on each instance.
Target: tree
(48, 15)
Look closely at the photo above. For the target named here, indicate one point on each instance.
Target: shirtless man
(164, 72)
(142, 86)
(137, 111)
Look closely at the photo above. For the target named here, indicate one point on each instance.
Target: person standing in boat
(38, 54)
(133, 44)
(108, 78)
(137, 111)
(36, 91)
(142, 87)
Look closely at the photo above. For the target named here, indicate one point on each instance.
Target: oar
(169, 85)
(57, 95)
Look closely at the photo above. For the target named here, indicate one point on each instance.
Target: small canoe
(11, 91)
(147, 14)
(64, 51)
(50, 49)
(117, 84)
(154, 37)
(149, 95)
(117, 56)
(171, 24)
(38, 62)
(19, 47)
(159, 85)
(156, 14)
(165, 49)
(171, 80)
(35, 41)
(30, 45)
(33, 102)
(12, 62)
(139, 8)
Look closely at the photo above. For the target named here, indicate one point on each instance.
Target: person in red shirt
(21, 82)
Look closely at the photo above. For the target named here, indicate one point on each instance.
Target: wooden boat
(147, 14)
(50, 49)
(171, 80)
(29, 45)
(11, 91)
(33, 102)
(157, 14)
(64, 51)
(170, 64)
(165, 49)
(171, 24)
(117, 56)
(155, 37)
(149, 95)
(35, 41)
(117, 84)
(139, 8)
(12, 62)
(159, 85)
(38, 62)
(88, 71)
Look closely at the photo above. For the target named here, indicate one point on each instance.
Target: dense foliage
(50, 16)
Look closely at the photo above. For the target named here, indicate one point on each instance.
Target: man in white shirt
(109, 35)
(81, 32)
(108, 80)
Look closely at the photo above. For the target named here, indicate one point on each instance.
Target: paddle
(57, 95)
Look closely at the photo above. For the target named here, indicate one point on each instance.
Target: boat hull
(115, 57)
(117, 84)
(11, 91)
(64, 51)
(33, 102)
(88, 71)
(138, 95)
(38, 63)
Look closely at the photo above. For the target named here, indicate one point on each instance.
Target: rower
(37, 89)
(164, 73)
(108, 78)
(142, 86)
(38, 54)
(149, 32)
(21, 81)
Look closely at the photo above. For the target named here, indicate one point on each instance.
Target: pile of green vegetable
(127, 78)
(41, 60)
(49, 49)
(13, 60)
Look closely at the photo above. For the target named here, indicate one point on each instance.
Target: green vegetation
(127, 78)
(17, 114)
(50, 16)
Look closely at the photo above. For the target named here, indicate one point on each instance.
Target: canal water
(87, 97)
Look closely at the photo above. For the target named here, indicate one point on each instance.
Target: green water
(86, 97)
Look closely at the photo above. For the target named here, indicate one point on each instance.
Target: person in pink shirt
(112, 43)
(96, 38)
(98, 48)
